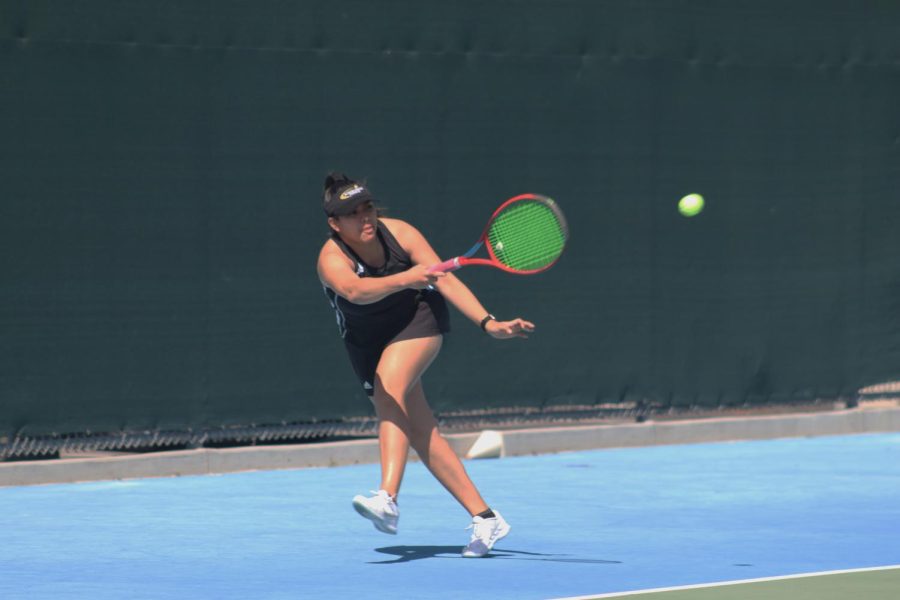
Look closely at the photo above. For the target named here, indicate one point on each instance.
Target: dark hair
(334, 181)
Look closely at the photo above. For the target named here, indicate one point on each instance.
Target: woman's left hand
(503, 330)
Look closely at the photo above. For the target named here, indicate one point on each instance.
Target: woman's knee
(388, 406)
(391, 393)
(392, 389)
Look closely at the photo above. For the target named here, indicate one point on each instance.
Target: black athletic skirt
(431, 318)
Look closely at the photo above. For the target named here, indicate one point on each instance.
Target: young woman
(392, 314)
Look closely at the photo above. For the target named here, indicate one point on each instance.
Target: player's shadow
(411, 553)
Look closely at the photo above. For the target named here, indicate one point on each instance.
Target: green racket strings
(527, 236)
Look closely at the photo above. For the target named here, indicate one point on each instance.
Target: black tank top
(377, 323)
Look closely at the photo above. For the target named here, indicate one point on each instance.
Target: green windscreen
(527, 235)
(161, 171)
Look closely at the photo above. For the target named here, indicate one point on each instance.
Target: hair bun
(336, 179)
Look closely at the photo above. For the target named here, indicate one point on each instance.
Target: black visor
(345, 200)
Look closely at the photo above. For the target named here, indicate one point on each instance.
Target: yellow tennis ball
(690, 205)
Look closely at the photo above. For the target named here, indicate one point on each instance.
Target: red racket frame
(466, 259)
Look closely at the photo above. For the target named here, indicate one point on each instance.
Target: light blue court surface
(583, 523)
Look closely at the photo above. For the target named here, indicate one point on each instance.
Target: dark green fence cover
(161, 164)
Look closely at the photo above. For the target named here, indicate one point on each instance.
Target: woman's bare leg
(405, 418)
(402, 364)
(437, 454)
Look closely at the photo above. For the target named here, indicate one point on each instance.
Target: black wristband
(488, 317)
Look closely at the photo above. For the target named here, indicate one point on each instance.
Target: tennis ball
(690, 205)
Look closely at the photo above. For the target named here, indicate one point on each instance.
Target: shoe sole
(364, 511)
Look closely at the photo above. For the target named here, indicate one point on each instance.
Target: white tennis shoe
(380, 509)
(485, 533)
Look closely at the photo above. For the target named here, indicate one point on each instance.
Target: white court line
(725, 583)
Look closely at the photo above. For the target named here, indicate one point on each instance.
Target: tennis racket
(525, 235)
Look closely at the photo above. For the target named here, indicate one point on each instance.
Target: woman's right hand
(419, 277)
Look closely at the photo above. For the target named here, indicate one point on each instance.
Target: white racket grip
(446, 266)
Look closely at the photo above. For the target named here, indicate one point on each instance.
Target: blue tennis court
(583, 523)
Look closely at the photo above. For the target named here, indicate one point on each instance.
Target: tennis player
(392, 314)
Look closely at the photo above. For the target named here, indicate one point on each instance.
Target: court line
(728, 583)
